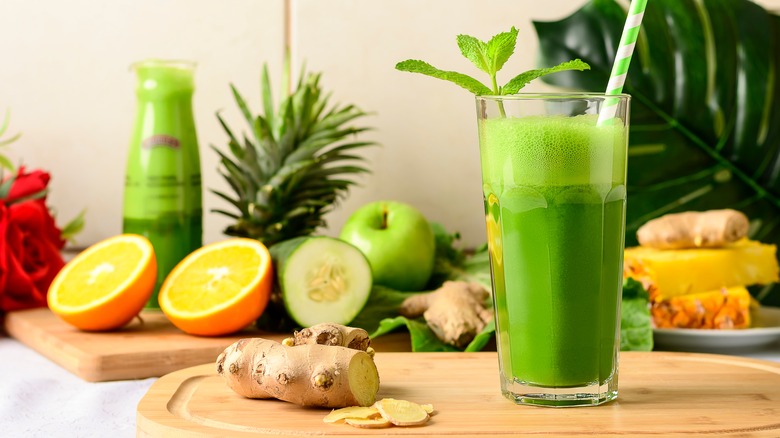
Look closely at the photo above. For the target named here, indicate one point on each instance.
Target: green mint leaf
(521, 80)
(465, 81)
(500, 48)
(476, 51)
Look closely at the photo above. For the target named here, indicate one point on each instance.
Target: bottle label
(163, 176)
(161, 140)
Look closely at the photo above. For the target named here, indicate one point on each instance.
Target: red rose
(27, 184)
(30, 244)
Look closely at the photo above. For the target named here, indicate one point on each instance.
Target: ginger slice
(369, 423)
(427, 408)
(352, 413)
(402, 412)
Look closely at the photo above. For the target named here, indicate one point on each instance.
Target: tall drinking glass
(555, 200)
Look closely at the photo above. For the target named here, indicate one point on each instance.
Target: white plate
(765, 330)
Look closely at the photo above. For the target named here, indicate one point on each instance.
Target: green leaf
(633, 289)
(241, 103)
(500, 48)
(452, 263)
(236, 203)
(383, 303)
(268, 101)
(518, 82)
(6, 163)
(5, 186)
(423, 339)
(225, 213)
(476, 52)
(330, 171)
(233, 143)
(74, 226)
(334, 120)
(636, 327)
(31, 197)
(6, 120)
(705, 119)
(10, 140)
(481, 340)
(460, 79)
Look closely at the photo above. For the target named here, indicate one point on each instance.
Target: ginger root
(708, 229)
(455, 312)
(331, 334)
(307, 375)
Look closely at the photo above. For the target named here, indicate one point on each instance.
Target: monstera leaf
(705, 118)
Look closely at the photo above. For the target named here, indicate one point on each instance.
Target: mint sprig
(465, 81)
(489, 57)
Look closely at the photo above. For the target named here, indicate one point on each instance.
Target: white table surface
(38, 398)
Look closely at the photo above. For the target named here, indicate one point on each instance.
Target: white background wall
(64, 73)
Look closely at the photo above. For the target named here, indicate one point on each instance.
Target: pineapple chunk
(672, 273)
(720, 309)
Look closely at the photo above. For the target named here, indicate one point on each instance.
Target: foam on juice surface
(551, 151)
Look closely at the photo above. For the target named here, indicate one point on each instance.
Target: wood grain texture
(667, 394)
(151, 348)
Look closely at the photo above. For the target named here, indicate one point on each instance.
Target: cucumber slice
(322, 279)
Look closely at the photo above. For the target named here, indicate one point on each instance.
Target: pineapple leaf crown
(294, 164)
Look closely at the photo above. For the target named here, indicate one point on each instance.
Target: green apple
(397, 240)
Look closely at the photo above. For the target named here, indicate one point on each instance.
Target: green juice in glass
(555, 209)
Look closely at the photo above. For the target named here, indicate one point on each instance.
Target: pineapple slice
(720, 309)
(672, 273)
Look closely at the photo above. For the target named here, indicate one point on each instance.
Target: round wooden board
(669, 394)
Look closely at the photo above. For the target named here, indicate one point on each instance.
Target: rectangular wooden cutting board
(660, 394)
(150, 347)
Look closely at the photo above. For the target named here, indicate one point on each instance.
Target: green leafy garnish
(636, 328)
(489, 57)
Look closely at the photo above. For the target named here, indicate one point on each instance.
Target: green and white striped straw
(623, 59)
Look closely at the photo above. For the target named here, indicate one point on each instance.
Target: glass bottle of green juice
(163, 194)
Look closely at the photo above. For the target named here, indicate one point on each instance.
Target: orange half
(218, 289)
(106, 285)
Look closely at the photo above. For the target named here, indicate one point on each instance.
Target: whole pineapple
(294, 166)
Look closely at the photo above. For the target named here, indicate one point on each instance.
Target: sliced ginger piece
(369, 423)
(402, 412)
(352, 412)
(427, 408)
